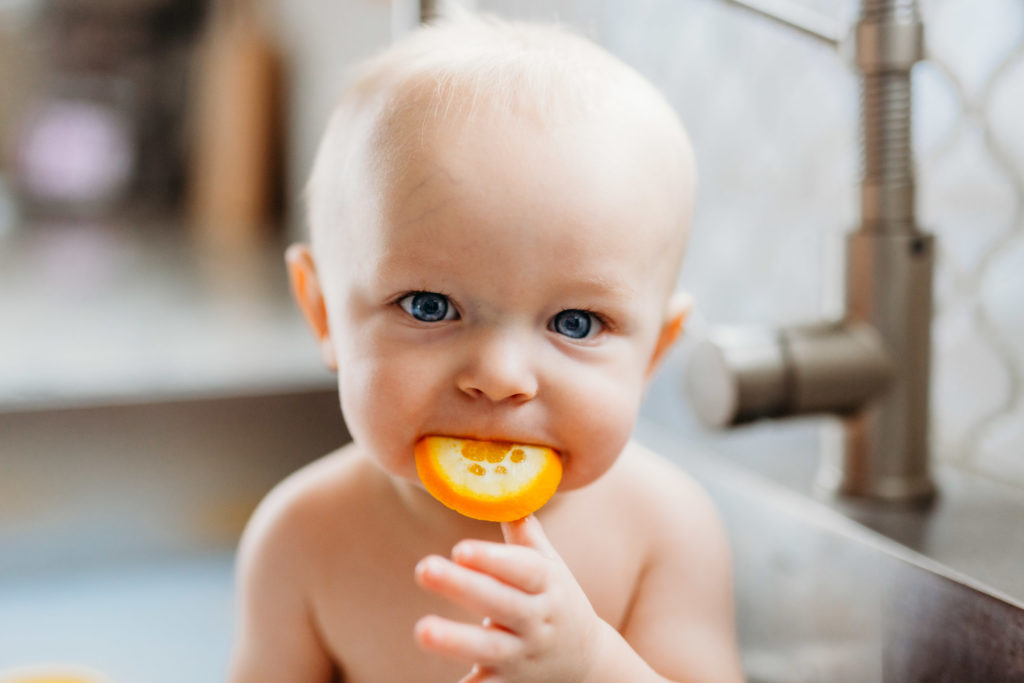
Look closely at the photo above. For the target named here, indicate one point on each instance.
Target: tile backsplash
(774, 120)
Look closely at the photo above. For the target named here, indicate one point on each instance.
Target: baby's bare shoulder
(684, 599)
(302, 510)
(277, 571)
(650, 476)
(661, 497)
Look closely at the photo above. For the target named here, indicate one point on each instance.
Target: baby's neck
(437, 519)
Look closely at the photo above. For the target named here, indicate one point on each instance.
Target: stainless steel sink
(823, 597)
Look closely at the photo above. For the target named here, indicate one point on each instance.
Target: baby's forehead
(578, 187)
(424, 129)
(417, 121)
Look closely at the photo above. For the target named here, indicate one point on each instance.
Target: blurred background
(155, 380)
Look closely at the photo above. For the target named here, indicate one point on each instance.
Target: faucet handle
(736, 375)
(741, 374)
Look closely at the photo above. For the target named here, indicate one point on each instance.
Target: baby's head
(498, 215)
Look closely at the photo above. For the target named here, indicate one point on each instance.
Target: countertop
(121, 312)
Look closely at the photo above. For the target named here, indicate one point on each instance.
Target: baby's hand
(538, 625)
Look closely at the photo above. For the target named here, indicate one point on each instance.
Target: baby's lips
(495, 481)
(497, 440)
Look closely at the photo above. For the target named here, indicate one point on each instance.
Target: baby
(498, 214)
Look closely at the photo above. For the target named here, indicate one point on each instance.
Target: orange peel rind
(495, 481)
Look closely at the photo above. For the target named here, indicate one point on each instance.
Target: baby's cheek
(375, 412)
(597, 421)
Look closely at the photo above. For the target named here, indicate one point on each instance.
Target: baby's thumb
(529, 532)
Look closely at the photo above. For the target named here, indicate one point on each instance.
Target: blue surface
(159, 623)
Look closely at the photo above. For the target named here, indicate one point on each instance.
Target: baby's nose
(500, 368)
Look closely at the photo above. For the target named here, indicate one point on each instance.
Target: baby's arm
(539, 625)
(276, 639)
(682, 619)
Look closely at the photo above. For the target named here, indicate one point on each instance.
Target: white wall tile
(974, 37)
(971, 383)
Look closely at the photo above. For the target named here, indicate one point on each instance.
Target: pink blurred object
(75, 153)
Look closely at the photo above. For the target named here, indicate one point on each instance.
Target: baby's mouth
(497, 444)
(497, 481)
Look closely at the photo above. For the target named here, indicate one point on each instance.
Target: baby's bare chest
(367, 603)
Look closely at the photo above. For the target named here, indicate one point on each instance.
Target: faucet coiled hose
(887, 156)
(888, 10)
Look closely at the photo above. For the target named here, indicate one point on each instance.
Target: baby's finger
(521, 567)
(477, 592)
(529, 532)
(466, 642)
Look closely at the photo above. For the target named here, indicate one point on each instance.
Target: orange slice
(490, 480)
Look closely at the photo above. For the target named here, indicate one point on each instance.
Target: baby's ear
(308, 295)
(678, 309)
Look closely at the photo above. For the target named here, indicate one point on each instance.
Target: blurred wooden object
(236, 123)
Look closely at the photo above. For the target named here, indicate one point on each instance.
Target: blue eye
(428, 307)
(575, 324)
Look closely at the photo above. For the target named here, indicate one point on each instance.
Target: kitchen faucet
(871, 366)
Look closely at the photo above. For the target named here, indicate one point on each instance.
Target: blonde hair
(468, 63)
